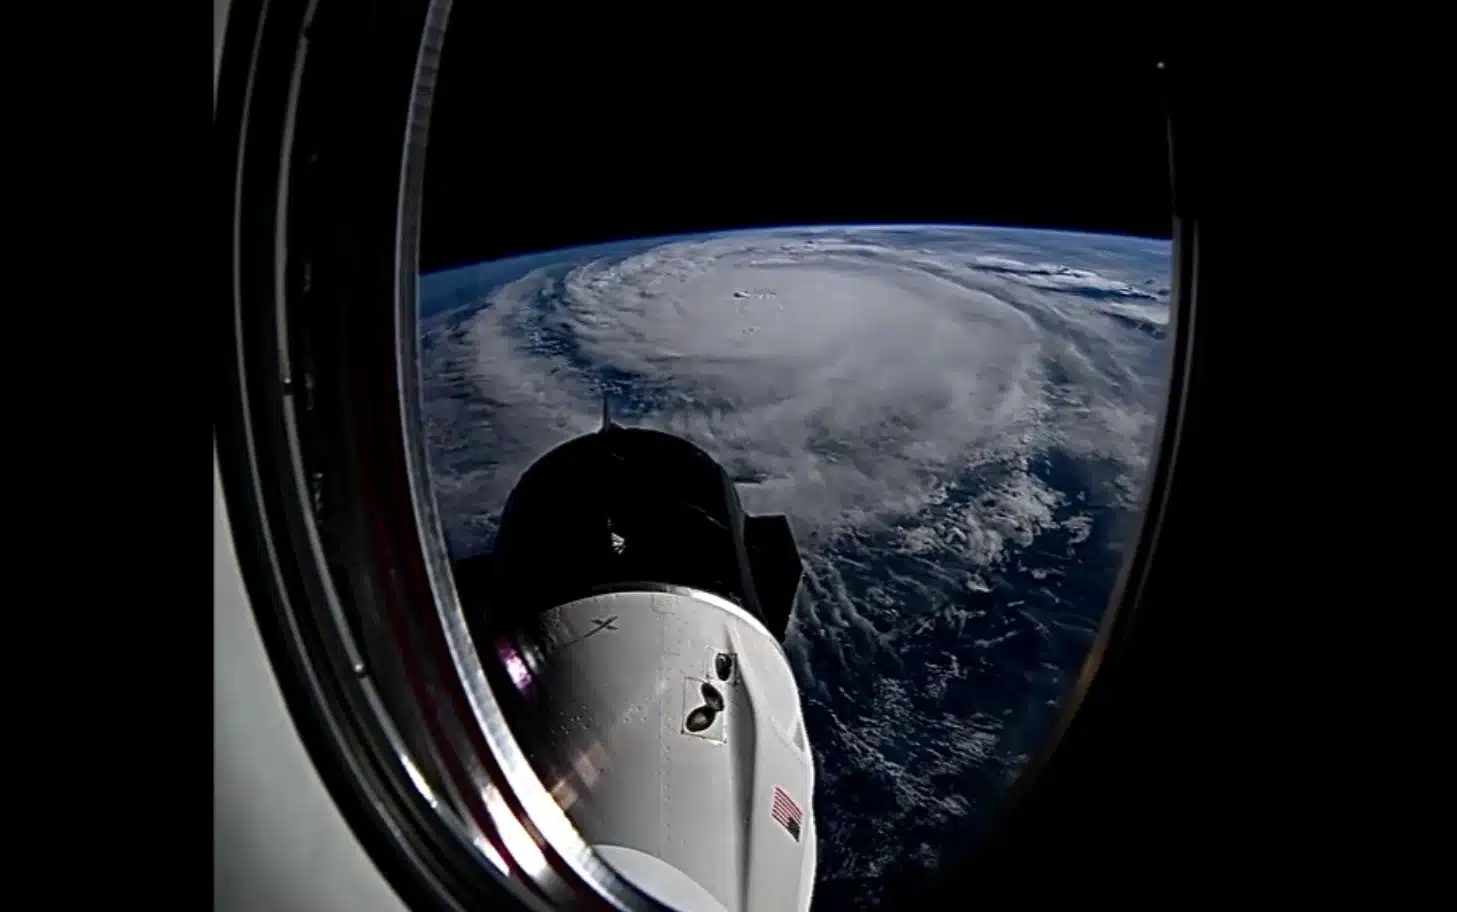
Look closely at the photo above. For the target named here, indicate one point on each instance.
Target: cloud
(850, 376)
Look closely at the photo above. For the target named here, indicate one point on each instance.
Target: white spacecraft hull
(689, 767)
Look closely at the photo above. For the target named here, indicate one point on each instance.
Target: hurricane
(957, 421)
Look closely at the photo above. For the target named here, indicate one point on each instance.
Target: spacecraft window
(957, 418)
(700, 719)
(711, 697)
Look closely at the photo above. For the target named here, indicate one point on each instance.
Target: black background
(608, 130)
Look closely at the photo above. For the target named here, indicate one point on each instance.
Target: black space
(605, 132)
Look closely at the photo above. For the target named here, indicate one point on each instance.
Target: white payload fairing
(639, 614)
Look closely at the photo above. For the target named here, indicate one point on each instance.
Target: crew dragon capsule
(639, 614)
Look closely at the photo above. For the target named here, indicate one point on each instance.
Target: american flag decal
(786, 812)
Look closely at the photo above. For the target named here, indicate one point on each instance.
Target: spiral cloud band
(947, 415)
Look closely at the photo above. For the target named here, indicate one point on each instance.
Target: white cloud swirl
(849, 374)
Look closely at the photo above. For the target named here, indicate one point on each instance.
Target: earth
(957, 421)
